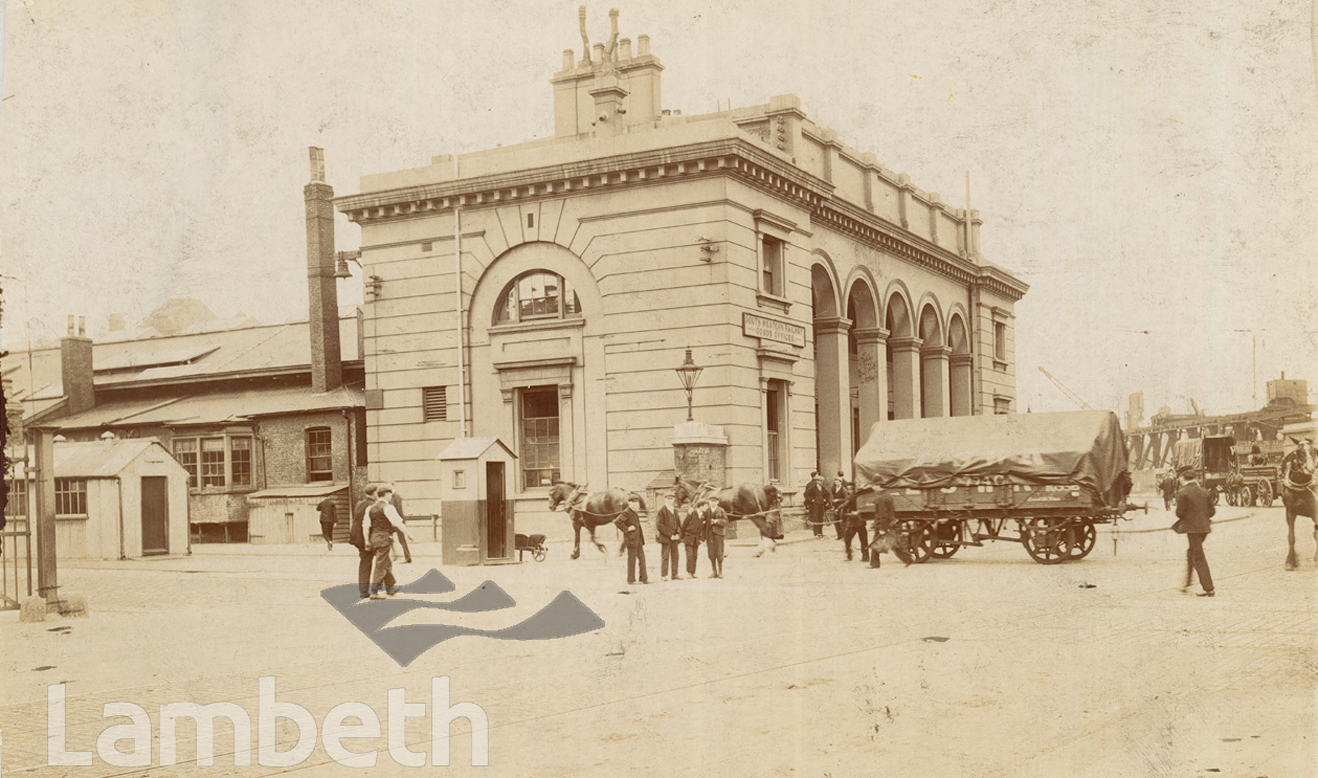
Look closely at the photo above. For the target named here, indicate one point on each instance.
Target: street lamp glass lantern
(688, 372)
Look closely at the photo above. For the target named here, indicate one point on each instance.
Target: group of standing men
(704, 523)
(820, 497)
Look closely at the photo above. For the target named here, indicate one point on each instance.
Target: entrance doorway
(155, 514)
(496, 513)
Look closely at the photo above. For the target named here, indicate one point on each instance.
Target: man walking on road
(668, 528)
(1194, 513)
(329, 516)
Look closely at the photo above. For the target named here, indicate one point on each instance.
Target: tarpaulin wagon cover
(1083, 448)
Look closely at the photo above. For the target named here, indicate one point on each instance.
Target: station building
(820, 292)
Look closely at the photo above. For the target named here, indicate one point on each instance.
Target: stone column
(833, 394)
(959, 366)
(872, 370)
(905, 377)
(934, 386)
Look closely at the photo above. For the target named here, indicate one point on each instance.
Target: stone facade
(800, 272)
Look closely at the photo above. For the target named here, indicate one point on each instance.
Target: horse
(743, 501)
(589, 509)
(1298, 493)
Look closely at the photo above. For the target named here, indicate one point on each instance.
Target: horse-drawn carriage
(1044, 480)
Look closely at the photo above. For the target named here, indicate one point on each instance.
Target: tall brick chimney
(75, 359)
(322, 286)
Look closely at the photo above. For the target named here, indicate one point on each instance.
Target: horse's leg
(576, 536)
(1291, 564)
(598, 544)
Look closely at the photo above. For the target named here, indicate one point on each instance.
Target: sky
(1147, 167)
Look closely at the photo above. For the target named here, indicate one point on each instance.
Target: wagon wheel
(1233, 497)
(1216, 494)
(1082, 540)
(1045, 540)
(538, 554)
(1246, 499)
(917, 541)
(944, 536)
(1265, 494)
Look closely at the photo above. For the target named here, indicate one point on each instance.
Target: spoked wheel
(1233, 497)
(945, 536)
(1045, 540)
(1081, 539)
(538, 555)
(917, 541)
(1216, 494)
(1246, 499)
(1265, 494)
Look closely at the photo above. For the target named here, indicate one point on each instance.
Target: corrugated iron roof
(299, 490)
(213, 407)
(247, 349)
(101, 459)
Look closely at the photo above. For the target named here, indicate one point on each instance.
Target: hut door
(496, 530)
(155, 514)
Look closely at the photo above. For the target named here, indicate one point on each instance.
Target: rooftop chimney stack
(75, 358)
(611, 66)
(322, 286)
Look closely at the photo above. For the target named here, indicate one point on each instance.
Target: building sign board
(772, 329)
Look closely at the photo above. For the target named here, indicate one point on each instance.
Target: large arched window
(536, 296)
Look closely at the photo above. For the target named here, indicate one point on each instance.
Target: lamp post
(688, 372)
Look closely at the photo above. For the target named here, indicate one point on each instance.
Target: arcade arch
(832, 384)
(934, 397)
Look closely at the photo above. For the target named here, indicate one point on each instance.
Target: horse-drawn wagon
(1044, 480)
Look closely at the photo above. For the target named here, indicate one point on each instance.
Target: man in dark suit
(1194, 513)
(357, 537)
(634, 537)
(693, 532)
(668, 528)
(717, 522)
(817, 499)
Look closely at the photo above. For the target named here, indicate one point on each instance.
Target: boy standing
(693, 531)
(717, 521)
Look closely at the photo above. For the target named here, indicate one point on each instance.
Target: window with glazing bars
(320, 454)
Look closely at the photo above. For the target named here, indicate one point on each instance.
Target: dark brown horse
(743, 501)
(1298, 493)
(589, 509)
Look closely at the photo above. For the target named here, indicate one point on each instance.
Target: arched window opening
(537, 296)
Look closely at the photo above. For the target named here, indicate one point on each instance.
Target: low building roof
(99, 459)
(212, 407)
(471, 448)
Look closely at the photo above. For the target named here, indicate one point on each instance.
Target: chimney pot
(569, 59)
(71, 324)
(625, 48)
(598, 50)
(82, 326)
(642, 45)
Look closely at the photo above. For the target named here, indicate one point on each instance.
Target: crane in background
(1072, 396)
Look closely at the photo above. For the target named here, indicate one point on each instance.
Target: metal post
(44, 509)
(457, 272)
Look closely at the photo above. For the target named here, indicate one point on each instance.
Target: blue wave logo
(563, 617)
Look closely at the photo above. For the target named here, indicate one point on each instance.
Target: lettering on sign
(772, 329)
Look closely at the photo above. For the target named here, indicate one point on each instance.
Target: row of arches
(882, 356)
